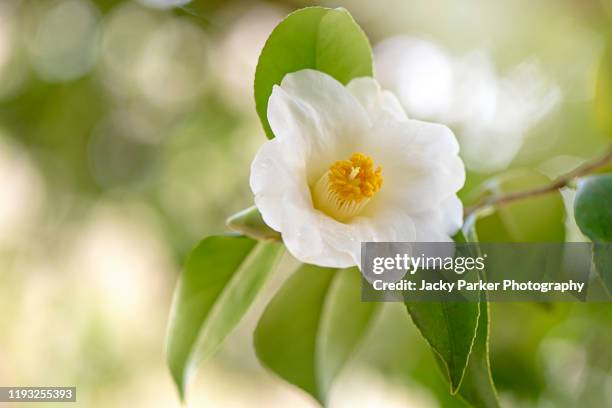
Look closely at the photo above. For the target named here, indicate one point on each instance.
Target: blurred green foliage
(534, 219)
(126, 134)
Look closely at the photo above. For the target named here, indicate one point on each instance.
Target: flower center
(347, 187)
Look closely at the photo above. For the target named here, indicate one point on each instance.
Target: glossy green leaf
(449, 328)
(458, 333)
(602, 259)
(221, 278)
(250, 223)
(535, 219)
(593, 213)
(593, 207)
(477, 387)
(312, 327)
(344, 324)
(327, 40)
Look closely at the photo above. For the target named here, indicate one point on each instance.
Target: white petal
(339, 111)
(283, 199)
(275, 171)
(388, 226)
(338, 244)
(441, 223)
(420, 165)
(317, 121)
(379, 104)
(307, 234)
(452, 214)
(313, 109)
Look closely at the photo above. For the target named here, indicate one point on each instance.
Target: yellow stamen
(345, 189)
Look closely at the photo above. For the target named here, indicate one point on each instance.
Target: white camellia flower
(347, 166)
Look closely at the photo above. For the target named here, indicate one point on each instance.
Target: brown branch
(560, 182)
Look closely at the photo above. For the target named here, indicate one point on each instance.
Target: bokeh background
(126, 133)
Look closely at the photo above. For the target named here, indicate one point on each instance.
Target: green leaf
(602, 259)
(458, 333)
(593, 207)
(516, 221)
(345, 322)
(312, 327)
(221, 278)
(450, 329)
(593, 212)
(328, 40)
(477, 387)
(250, 223)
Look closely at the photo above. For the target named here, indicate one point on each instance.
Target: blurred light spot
(364, 389)
(22, 192)
(172, 70)
(498, 113)
(492, 114)
(219, 386)
(119, 257)
(63, 39)
(150, 388)
(475, 90)
(566, 365)
(238, 50)
(126, 30)
(419, 72)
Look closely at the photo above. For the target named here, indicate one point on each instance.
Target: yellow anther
(355, 179)
(345, 189)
